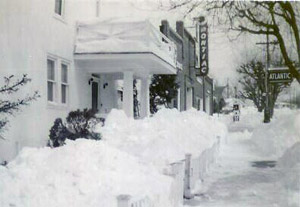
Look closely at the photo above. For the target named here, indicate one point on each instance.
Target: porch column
(128, 93)
(145, 96)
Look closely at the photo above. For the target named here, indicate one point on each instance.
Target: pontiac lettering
(203, 50)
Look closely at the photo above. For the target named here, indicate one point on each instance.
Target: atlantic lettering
(280, 76)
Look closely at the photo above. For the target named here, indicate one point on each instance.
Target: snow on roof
(123, 35)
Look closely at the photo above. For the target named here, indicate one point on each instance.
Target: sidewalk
(236, 181)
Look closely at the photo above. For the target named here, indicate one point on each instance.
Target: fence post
(123, 200)
(187, 177)
(178, 169)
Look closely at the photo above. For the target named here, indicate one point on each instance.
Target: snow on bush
(165, 137)
(81, 173)
(274, 138)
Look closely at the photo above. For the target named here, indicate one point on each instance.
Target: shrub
(163, 89)
(79, 124)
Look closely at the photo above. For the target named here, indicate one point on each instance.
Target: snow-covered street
(244, 177)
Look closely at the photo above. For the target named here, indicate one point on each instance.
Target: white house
(75, 62)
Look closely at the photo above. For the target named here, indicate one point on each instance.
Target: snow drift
(274, 138)
(82, 173)
(129, 160)
(164, 138)
(289, 163)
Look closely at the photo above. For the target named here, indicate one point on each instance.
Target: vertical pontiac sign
(203, 44)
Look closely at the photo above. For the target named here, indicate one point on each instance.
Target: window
(64, 83)
(51, 79)
(59, 7)
(57, 81)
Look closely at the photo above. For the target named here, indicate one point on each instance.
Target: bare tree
(253, 83)
(274, 18)
(8, 106)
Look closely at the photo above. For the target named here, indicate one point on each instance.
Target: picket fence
(186, 174)
(128, 201)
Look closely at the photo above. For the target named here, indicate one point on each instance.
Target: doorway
(95, 94)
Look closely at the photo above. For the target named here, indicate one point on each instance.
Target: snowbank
(82, 173)
(164, 138)
(286, 142)
(274, 138)
(289, 163)
(251, 116)
(129, 160)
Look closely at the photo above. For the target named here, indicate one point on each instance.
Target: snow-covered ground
(259, 165)
(129, 160)
(245, 174)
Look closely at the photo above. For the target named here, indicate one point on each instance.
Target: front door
(95, 95)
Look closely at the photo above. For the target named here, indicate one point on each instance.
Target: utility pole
(227, 88)
(235, 92)
(267, 112)
(267, 109)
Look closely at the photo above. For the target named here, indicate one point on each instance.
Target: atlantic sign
(203, 44)
(279, 76)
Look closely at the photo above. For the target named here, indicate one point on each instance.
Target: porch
(116, 52)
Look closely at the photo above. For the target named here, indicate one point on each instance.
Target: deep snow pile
(289, 164)
(274, 138)
(129, 160)
(164, 138)
(82, 173)
(251, 116)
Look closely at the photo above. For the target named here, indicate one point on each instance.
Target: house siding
(32, 32)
